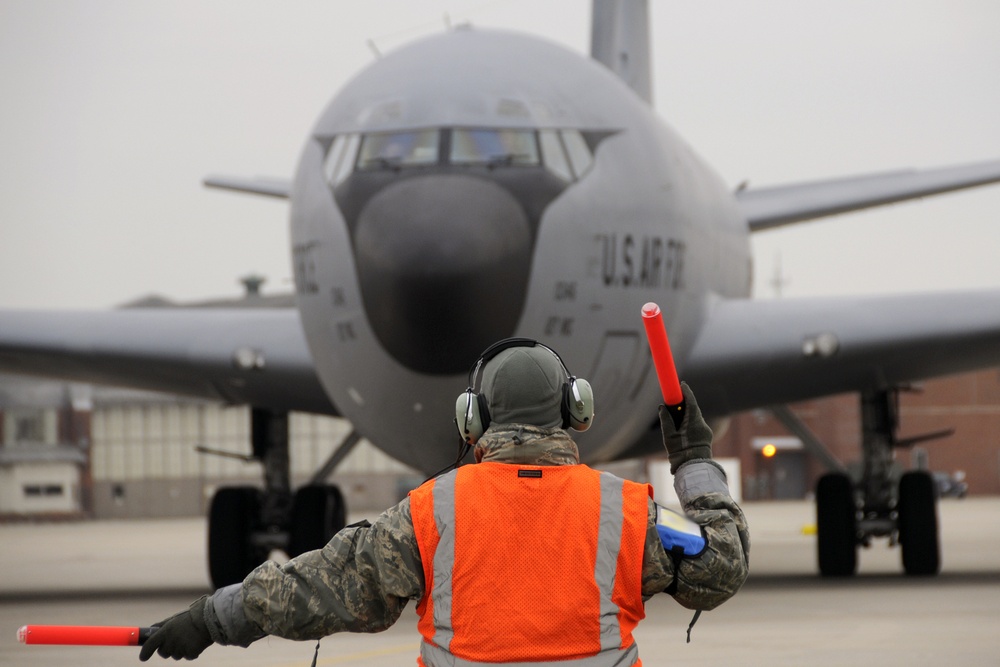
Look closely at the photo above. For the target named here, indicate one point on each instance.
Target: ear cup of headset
(472, 416)
(578, 404)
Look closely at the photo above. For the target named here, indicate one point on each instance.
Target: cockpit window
(390, 150)
(552, 153)
(340, 158)
(494, 147)
(578, 151)
(564, 153)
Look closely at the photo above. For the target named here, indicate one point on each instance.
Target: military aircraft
(481, 184)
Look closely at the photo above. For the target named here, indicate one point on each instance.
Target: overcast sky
(112, 111)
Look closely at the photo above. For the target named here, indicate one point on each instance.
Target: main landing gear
(246, 523)
(883, 504)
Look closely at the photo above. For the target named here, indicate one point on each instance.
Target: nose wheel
(245, 523)
(233, 518)
(318, 513)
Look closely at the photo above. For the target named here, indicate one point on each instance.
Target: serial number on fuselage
(643, 261)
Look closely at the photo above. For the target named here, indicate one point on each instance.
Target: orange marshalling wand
(663, 360)
(83, 635)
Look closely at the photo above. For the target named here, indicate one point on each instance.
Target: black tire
(918, 526)
(318, 513)
(836, 526)
(232, 519)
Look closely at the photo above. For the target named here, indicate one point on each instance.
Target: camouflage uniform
(362, 579)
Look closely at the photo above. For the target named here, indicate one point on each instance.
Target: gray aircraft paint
(597, 227)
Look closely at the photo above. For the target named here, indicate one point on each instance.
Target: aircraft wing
(253, 356)
(271, 187)
(769, 207)
(758, 353)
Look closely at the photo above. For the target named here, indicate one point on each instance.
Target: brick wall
(969, 403)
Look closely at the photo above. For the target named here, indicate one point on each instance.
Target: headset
(472, 414)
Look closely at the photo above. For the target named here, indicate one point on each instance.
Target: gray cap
(523, 385)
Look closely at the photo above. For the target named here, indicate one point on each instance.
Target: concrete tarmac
(139, 572)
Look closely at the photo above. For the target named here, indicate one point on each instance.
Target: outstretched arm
(359, 582)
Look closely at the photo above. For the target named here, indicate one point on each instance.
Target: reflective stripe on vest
(435, 656)
(593, 518)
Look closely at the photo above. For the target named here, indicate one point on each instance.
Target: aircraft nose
(443, 263)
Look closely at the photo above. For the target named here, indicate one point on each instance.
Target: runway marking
(362, 655)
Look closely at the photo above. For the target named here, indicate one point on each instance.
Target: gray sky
(112, 111)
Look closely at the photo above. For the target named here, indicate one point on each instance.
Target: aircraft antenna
(779, 281)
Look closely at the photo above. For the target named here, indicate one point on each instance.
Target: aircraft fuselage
(478, 185)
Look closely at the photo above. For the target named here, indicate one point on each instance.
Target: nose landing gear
(245, 524)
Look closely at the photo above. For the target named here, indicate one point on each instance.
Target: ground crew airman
(526, 556)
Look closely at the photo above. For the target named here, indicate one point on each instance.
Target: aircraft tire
(232, 518)
(318, 513)
(836, 526)
(918, 527)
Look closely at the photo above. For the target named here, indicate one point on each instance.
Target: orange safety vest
(530, 564)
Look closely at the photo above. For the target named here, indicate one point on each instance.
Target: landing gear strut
(881, 504)
(245, 523)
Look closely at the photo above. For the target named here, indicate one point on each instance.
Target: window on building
(43, 490)
(29, 428)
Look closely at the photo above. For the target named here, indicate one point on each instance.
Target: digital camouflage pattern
(359, 582)
(710, 579)
(362, 579)
(528, 445)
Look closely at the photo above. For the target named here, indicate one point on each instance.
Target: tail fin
(619, 39)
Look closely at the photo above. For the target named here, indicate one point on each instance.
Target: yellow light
(769, 450)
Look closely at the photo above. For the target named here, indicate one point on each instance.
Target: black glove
(689, 441)
(184, 635)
